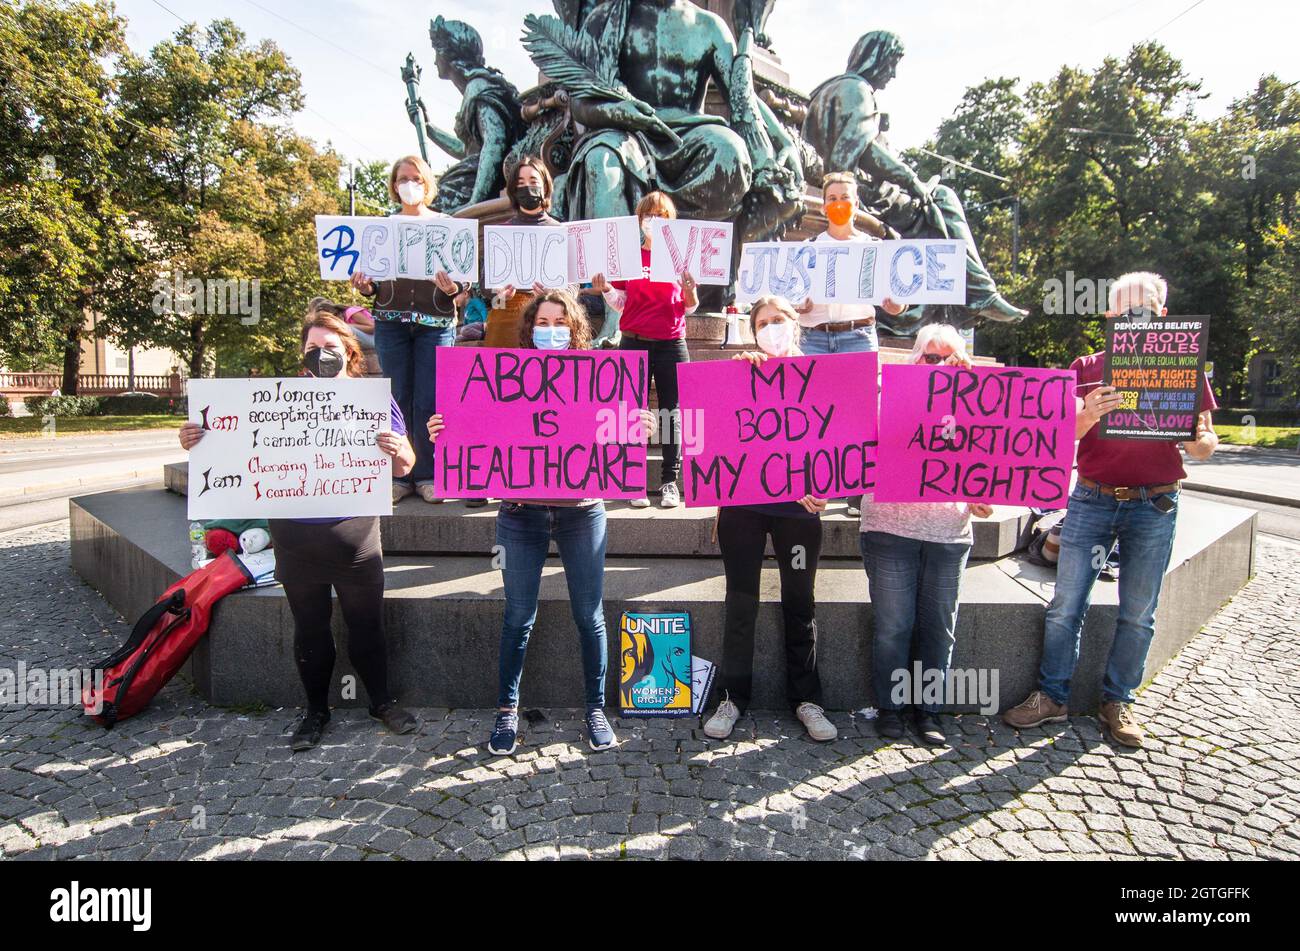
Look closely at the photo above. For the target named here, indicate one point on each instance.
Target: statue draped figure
(487, 125)
(847, 129)
(637, 73)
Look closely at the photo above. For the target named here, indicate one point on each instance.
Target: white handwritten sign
(397, 246)
(292, 448)
(609, 246)
(521, 256)
(700, 248)
(854, 272)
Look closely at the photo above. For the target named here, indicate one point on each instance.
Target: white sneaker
(814, 720)
(723, 721)
(855, 512)
(669, 496)
(640, 503)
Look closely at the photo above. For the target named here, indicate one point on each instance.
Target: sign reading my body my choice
(1157, 364)
(291, 448)
(854, 272)
(1001, 435)
(791, 427)
(538, 424)
(397, 246)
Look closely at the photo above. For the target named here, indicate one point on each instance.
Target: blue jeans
(408, 357)
(819, 342)
(1093, 523)
(524, 533)
(915, 588)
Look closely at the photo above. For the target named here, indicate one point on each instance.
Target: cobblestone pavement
(1220, 776)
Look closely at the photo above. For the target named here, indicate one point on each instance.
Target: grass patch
(1265, 437)
(34, 427)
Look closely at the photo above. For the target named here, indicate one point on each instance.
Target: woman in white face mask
(412, 319)
(553, 320)
(796, 532)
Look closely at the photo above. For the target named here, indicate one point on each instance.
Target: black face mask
(530, 198)
(323, 363)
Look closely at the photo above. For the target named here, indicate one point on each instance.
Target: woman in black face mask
(315, 555)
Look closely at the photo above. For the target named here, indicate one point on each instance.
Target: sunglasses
(933, 359)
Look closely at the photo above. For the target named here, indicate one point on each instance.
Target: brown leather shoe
(1117, 718)
(1037, 708)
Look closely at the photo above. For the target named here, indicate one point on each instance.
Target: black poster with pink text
(1157, 364)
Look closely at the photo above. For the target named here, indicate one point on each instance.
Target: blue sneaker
(505, 735)
(599, 734)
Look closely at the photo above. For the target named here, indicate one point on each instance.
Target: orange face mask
(839, 213)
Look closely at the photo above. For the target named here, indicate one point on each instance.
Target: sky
(350, 52)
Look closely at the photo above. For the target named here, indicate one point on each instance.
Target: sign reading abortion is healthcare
(791, 427)
(539, 424)
(293, 448)
(1157, 365)
(1001, 435)
(397, 246)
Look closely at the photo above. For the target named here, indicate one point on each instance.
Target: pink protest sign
(540, 424)
(1002, 435)
(777, 432)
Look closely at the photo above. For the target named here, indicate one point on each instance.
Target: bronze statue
(487, 125)
(637, 73)
(847, 129)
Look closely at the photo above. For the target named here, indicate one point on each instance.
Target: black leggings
(797, 543)
(313, 643)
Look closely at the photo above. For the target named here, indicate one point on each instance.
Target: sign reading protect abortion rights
(1001, 435)
(791, 427)
(854, 272)
(1157, 365)
(293, 448)
(537, 424)
(397, 246)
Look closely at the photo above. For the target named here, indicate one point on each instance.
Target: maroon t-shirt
(1128, 462)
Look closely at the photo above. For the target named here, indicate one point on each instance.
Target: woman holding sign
(796, 532)
(914, 554)
(654, 320)
(841, 328)
(413, 318)
(317, 554)
(525, 529)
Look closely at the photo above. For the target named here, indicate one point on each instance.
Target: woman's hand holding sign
(435, 426)
(190, 435)
(364, 284)
(813, 505)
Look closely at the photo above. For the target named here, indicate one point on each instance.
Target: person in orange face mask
(841, 328)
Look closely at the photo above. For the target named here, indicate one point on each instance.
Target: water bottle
(198, 548)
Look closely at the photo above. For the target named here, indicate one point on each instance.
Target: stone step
(443, 614)
(416, 527)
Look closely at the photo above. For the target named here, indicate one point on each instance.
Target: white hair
(946, 335)
(1138, 290)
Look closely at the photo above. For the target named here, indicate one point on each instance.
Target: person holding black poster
(1127, 491)
(914, 555)
(315, 555)
(553, 320)
(796, 532)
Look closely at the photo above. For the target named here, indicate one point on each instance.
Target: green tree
(223, 191)
(62, 234)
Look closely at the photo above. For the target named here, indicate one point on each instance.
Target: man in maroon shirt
(1127, 491)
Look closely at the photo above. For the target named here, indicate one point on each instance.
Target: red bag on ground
(160, 642)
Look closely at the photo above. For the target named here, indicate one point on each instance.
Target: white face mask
(776, 339)
(412, 193)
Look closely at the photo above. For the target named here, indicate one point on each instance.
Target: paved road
(1220, 776)
(1253, 474)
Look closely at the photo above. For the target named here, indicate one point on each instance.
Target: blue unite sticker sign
(654, 678)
